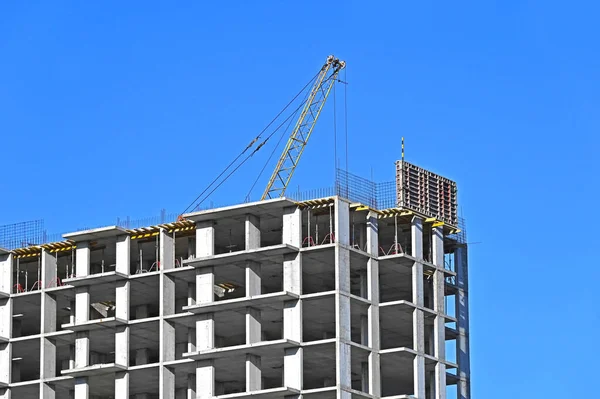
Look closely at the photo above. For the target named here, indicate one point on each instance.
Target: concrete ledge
(263, 348)
(262, 394)
(4, 294)
(319, 390)
(452, 379)
(96, 369)
(256, 255)
(256, 301)
(23, 383)
(95, 234)
(408, 306)
(107, 322)
(3, 384)
(4, 339)
(99, 278)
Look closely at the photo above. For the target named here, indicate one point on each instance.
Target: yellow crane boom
(302, 130)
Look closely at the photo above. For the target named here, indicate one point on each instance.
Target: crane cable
(276, 147)
(247, 147)
(250, 155)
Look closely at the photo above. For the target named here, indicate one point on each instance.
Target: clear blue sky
(112, 110)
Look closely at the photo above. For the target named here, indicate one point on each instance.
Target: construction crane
(298, 139)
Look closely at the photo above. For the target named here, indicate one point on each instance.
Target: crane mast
(303, 128)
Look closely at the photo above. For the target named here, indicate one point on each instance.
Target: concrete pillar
(205, 332)
(342, 299)
(252, 227)
(205, 379)
(462, 311)
(253, 373)
(372, 238)
(142, 356)
(167, 294)
(48, 269)
(6, 275)
(166, 383)
(5, 362)
(418, 316)
(205, 238)
(253, 279)
(5, 393)
(292, 226)
(82, 340)
(292, 310)
(122, 385)
(191, 300)
(82, 388)
(47, 391)
(191, 344)
(439, 328)
(47, 358)
(122, 345)
(205, 282)
(122, 295)
(82, 262)
(167, 250)
(6, 318)
(191, 387)
(48, 313)
(123, 254)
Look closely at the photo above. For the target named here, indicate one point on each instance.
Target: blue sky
(111, 110)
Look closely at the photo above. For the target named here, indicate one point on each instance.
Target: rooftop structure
(325, 298)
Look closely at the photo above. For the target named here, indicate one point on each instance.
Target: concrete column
(47, 391)
(191, 294)
(166, 383)
(82, 349)
(5, 362)
(191, 387)
(374, 370)
(462, 311)
(48, 313)
(6, 276)
(253, 279)
(123, 255)
(167, 295)
(82, 262)
(122, 345)
(168, 341)
(252, 227)
(205, 379)
(292, 227)
(82, 305)
(418, 316)
(342, 298)
(122, 385)
(253, 373)
(292, 312)
(167, 250)
(205, 238)
(47, 358)
(82, 388)
(205, 332)
(439, 327)
(6, 317)
(48, 269)
(122, 295)
(205, 282)
(191, 344)
(253, 325)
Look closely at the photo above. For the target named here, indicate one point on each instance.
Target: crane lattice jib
(302, 130)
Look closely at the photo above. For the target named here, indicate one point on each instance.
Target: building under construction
(359, 293)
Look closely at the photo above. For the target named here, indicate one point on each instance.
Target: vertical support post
(462, 310)
(373, 297)
(292, 226)
(205, 238)
(82, 260)
(48, 270)
(6, 313)
(342, 299)
(205, 379)
(82, 388)
(6, 272)
(123, 254)
(418, 316)
(167, 250)
(167, 329)
(82, 340)
(252, 228)
(439, 327)
(122, 385)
